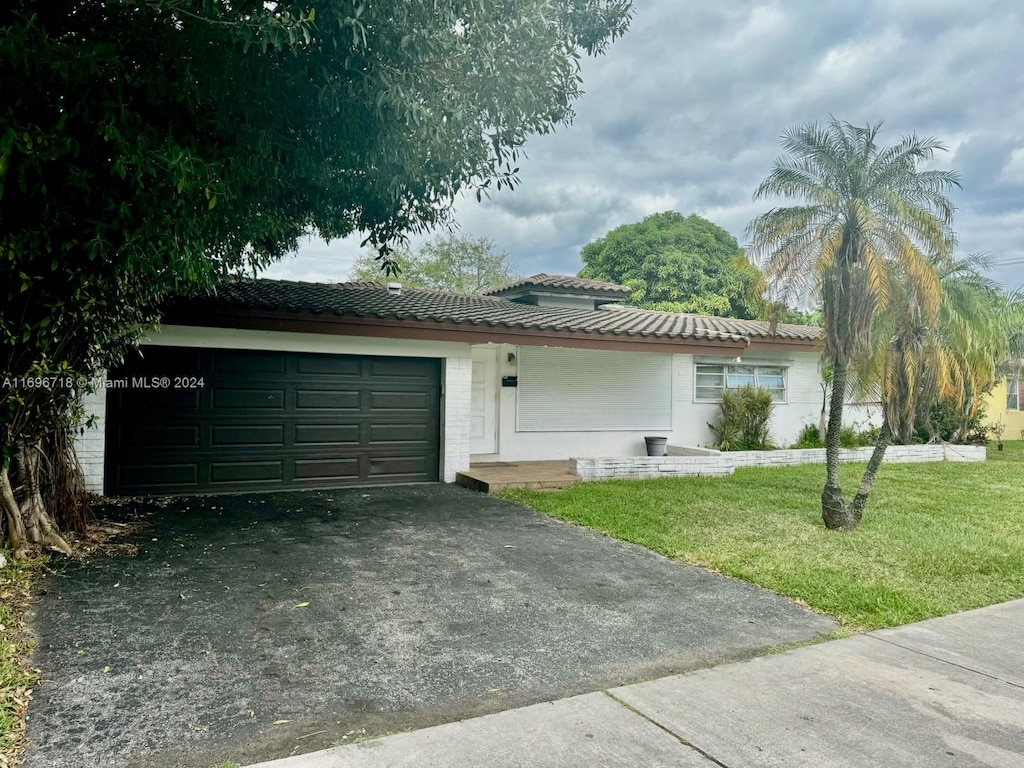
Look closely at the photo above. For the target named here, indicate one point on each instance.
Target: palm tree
(956, 359)
(867, 216)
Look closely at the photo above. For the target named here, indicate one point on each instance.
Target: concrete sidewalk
(944, 692)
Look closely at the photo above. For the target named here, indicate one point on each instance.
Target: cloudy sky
(684, 113)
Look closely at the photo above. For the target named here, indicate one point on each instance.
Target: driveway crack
(669, 731)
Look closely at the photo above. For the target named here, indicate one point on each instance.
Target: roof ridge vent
(395, 289)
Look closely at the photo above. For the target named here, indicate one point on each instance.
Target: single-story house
(282, 385)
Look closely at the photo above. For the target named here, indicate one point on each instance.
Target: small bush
(946, 421)
(809, 437)
(869, 436)
(743, 420)
(849, 437)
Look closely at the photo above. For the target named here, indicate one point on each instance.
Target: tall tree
(954, 360)
(868, 218)
(152, 146)
(678, 263)
(456, 263)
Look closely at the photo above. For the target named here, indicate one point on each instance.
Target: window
(577, 390)
(1013, 394)
(713, 378)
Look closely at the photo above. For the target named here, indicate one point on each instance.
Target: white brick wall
(640, 467)
(458, 392)
(89, 444)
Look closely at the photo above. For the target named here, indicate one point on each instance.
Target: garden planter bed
(685, 461)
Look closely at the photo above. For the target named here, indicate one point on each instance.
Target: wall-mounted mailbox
(510, 381)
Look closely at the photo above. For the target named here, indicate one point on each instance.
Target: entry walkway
(944, 692)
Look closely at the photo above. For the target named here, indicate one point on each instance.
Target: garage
(188, 420)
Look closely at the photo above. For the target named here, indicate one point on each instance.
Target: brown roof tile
(562, 283)
(367, 300)
(759, 329)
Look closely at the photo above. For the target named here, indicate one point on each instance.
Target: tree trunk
(833, 507)
(823, 416)
(13, 525)
(867, 482)
(30, 523)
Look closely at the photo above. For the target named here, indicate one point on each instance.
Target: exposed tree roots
(26, 520)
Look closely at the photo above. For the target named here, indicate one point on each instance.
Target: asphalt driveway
(252, 627)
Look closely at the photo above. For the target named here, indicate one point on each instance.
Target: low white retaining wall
(718, 464)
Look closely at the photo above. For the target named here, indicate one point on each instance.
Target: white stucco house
(282, 385)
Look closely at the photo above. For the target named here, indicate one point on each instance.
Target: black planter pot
(656, 445)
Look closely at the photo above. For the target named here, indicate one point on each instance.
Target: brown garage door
(204, 421)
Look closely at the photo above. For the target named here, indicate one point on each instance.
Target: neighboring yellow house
(1004, 405)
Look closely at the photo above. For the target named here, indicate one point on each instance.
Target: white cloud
(1013, 171)
(685, 112)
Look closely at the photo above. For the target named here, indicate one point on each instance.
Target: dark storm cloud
(685, 113)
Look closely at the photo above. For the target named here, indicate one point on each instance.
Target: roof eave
(434, 330)
(778, 344)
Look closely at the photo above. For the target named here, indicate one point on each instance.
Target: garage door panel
(334, 365)
(246, 472)
(166, 361)
(400, 401)
(343, 400)
(269, 399)
(270, 420)
(401, 368)
(249, 362)
(399, 433)
(144, 400)
(182, 436)
(326, 434)
(327, 469)
(385, 466)
(263, 435)
(142, 477)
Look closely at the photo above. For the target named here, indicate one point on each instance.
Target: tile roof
(759, 329)
(563, 283)
(367, 300)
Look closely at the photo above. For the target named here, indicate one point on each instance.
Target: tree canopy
(952, 363)
(456, 263)
(156, 146)
(866, 234)
(678, 263)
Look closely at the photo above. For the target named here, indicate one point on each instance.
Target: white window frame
(738, 369)
(1012, 393)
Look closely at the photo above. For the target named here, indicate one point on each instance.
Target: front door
(483, 410)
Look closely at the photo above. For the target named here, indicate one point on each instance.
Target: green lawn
(936, 538)
(1013, 450)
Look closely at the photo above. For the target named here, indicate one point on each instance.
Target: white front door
(483, 410)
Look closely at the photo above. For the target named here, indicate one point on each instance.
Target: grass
(16, 676)
(1013, 450)
(936, 538)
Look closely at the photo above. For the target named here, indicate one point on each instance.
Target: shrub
(743, 420)
(849, 437)
(946, 421)
(809, 437)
